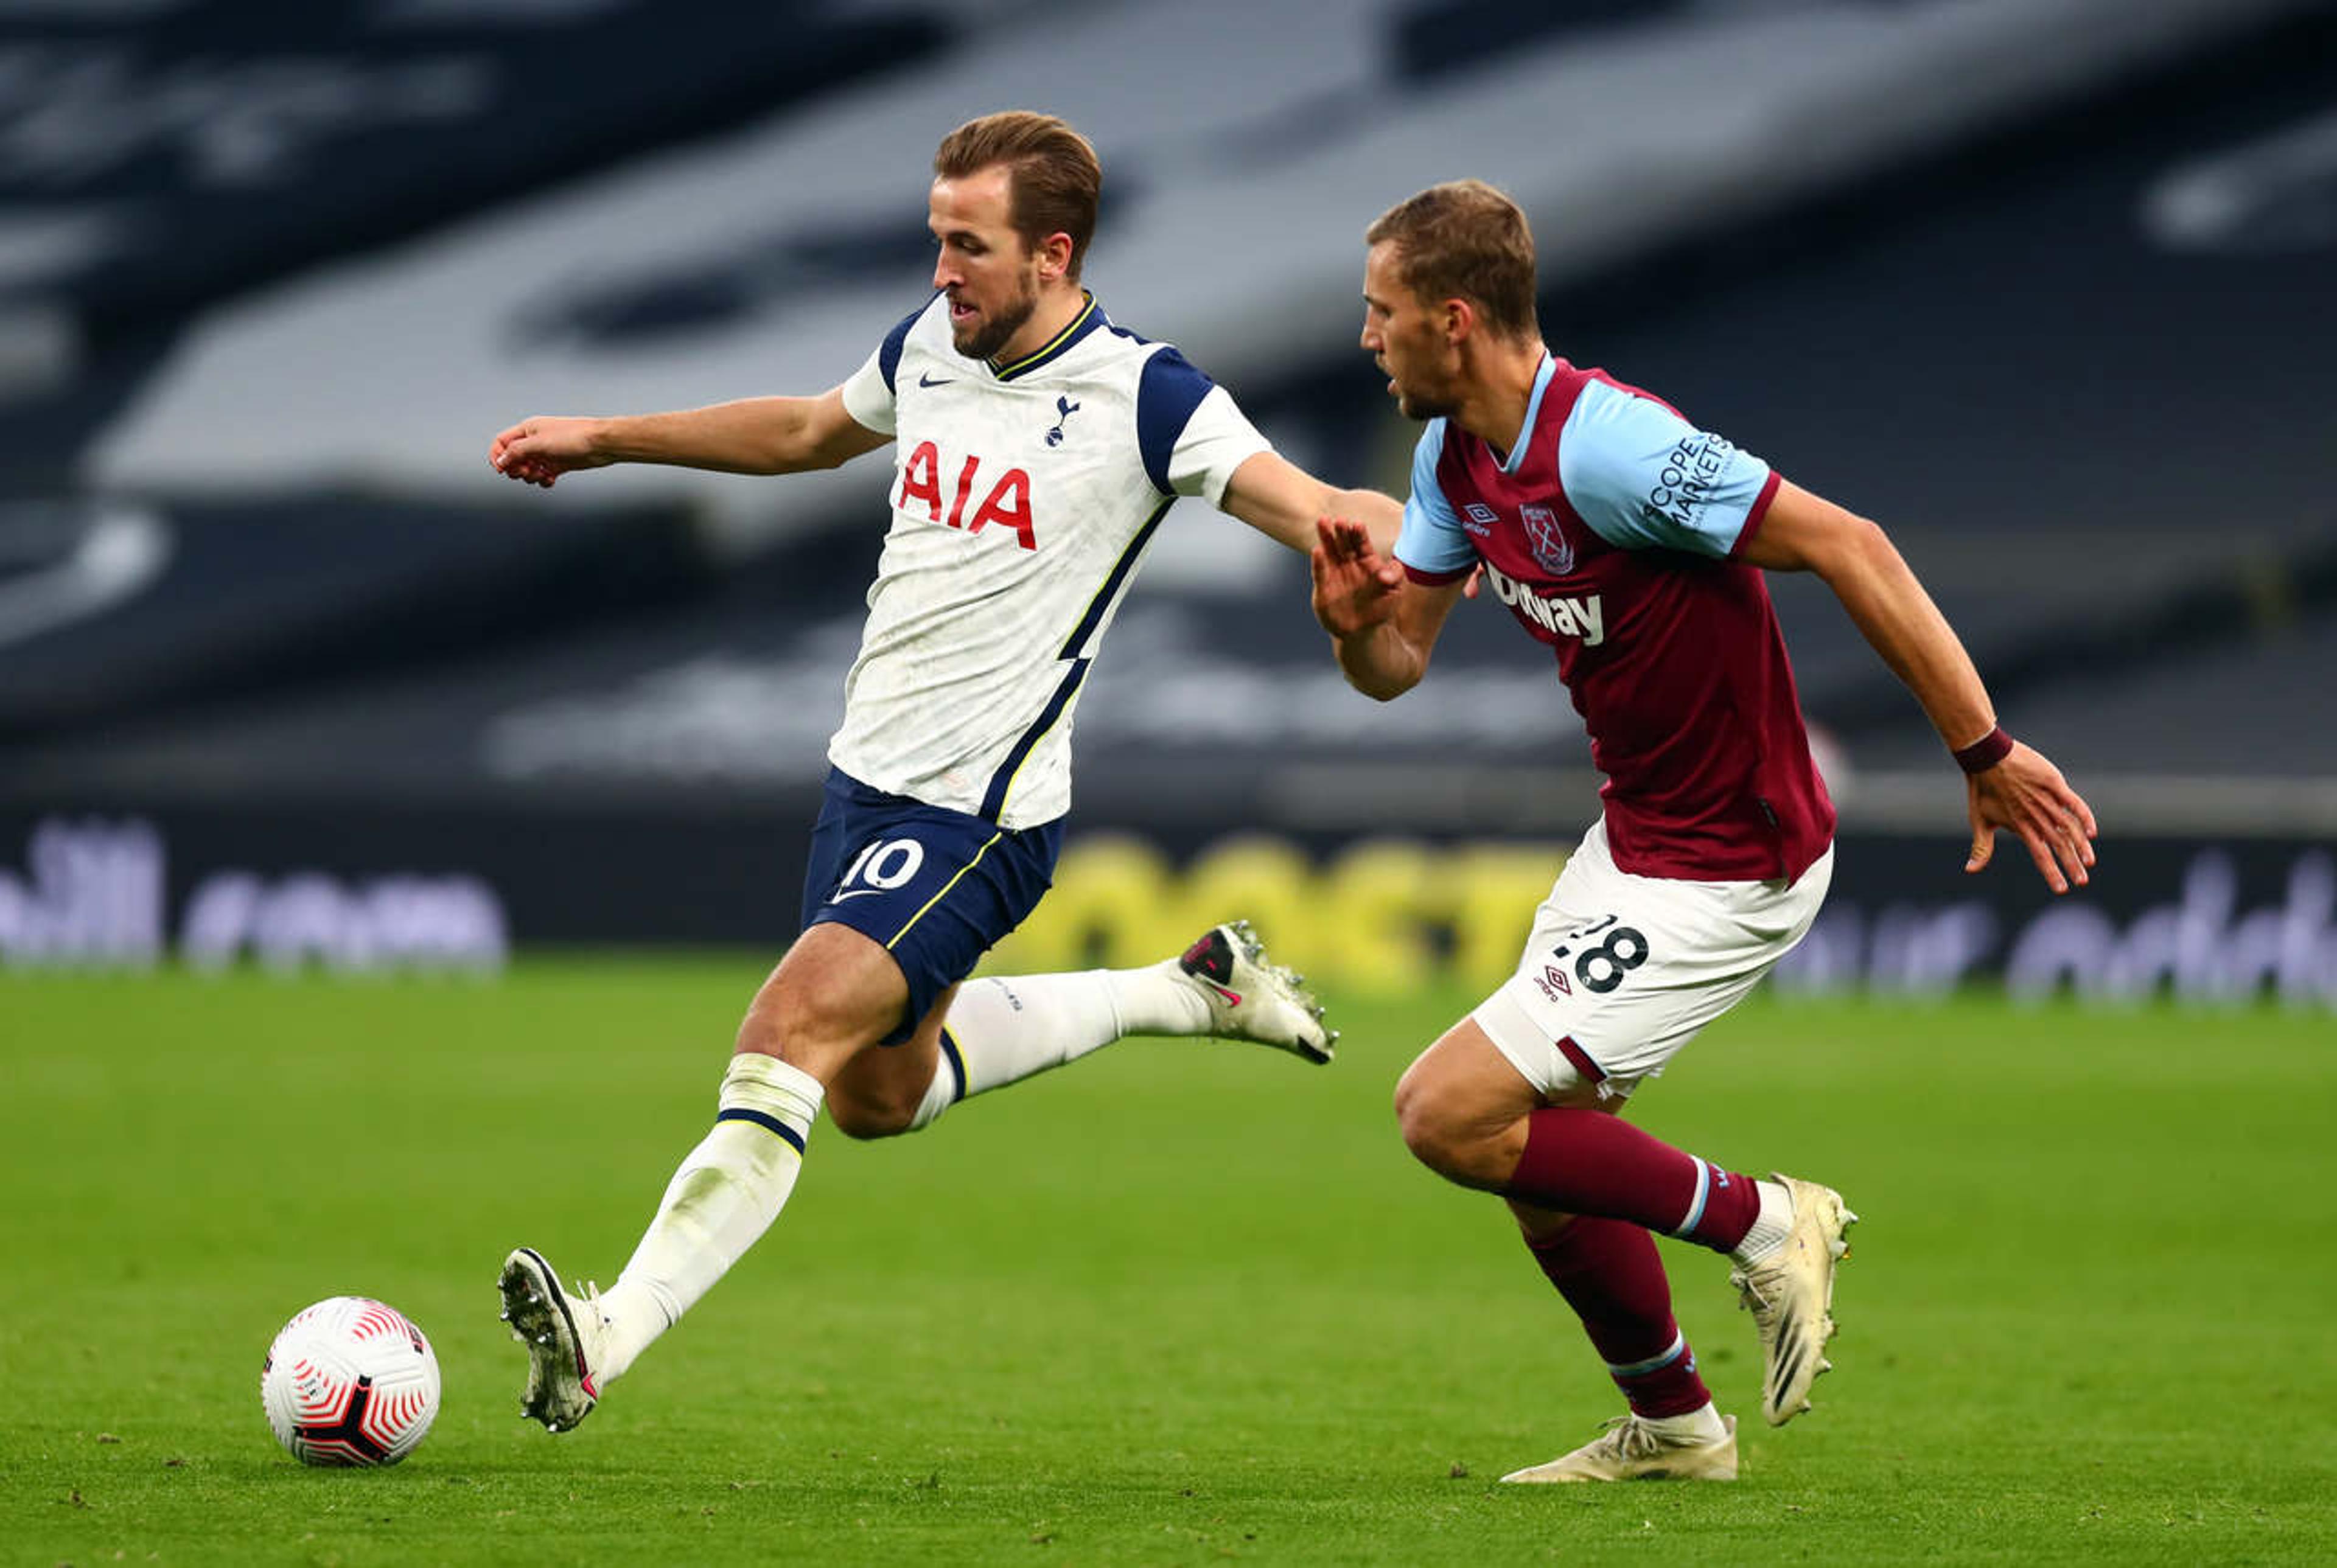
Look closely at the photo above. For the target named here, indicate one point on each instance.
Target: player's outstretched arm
(1282, 501)
(1383, 628)
(753, 435)
(2010, 786)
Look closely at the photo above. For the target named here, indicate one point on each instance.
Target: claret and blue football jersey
(1024, 496)
(1612, 534)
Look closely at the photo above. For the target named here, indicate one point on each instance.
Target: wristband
(1986, 752)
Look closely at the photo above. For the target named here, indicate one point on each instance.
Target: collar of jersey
(1089, 318)
(1517, 453)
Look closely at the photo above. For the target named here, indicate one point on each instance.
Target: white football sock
(724, 1197)
(1699, 1425)
(1008, 1028)
(1771, 1226)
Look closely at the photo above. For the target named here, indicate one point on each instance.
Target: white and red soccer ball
(350, 1381)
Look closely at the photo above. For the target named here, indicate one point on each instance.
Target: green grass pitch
(1184, 1302)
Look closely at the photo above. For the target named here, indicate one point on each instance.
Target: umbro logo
(926, 378)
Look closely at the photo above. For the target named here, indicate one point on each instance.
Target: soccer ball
(349, 1381)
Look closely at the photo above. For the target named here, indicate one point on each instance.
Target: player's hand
(539, 451)
(1356, 587)
(2026, 795)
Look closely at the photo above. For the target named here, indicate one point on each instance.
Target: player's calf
(886, 1092)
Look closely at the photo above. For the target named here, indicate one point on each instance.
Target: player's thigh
(934, 888)
(834, 993)
(1464, 1084)
(1621, 972)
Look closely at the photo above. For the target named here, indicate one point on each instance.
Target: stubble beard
(1423, 403)
(1424, 406)
(992, 333)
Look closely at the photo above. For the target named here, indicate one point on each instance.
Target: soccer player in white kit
(1038, 447)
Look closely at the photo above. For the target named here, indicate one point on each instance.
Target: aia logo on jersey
(1479, 518)
(1546, 540)
(1007, 503)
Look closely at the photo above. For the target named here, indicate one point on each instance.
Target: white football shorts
(1622, 971)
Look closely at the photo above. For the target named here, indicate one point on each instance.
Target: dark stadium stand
(157, 159)
(176, 153)
(115, 611)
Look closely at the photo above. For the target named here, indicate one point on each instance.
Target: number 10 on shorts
(884, 865)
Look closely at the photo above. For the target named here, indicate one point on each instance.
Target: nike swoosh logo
(854, 893)
(1232, 999)
(925, 380)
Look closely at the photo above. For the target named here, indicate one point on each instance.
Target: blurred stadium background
(288, 675)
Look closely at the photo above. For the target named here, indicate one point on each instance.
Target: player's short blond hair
(1464, 240)
(1054, 177)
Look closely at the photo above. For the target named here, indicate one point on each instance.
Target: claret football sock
(1584, 1162)
(724, 1197)
(1609, 1273)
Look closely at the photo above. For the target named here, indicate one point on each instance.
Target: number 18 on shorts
(1622, 971)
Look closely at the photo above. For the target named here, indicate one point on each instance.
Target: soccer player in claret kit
(1038, 447)
(1632, 544)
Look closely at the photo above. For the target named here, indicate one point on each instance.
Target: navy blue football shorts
(937, 887)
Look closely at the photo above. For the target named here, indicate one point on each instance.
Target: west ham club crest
(1547, 541)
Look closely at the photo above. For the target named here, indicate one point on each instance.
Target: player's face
(990, 276)
(1407, 339)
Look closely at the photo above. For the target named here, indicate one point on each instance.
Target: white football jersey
(1023, 497)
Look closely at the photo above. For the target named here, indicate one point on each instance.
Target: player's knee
(1439, 1130)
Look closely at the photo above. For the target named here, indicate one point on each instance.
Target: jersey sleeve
(1191, 432)
(868, 394)
(1433, 546)
(1643, 478)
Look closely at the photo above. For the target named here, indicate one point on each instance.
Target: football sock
(1771, 1226)
(724, 1197)
(1609, 1272)
(1584, 1162)
(1701, 1425)
(1002, 1031)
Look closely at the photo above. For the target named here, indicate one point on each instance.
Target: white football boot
(1631, 1450)
(563, 1339)
(1252, 999)
(1790, 1294)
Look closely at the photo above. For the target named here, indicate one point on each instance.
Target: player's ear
(1054, 254)
(1460, 319)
